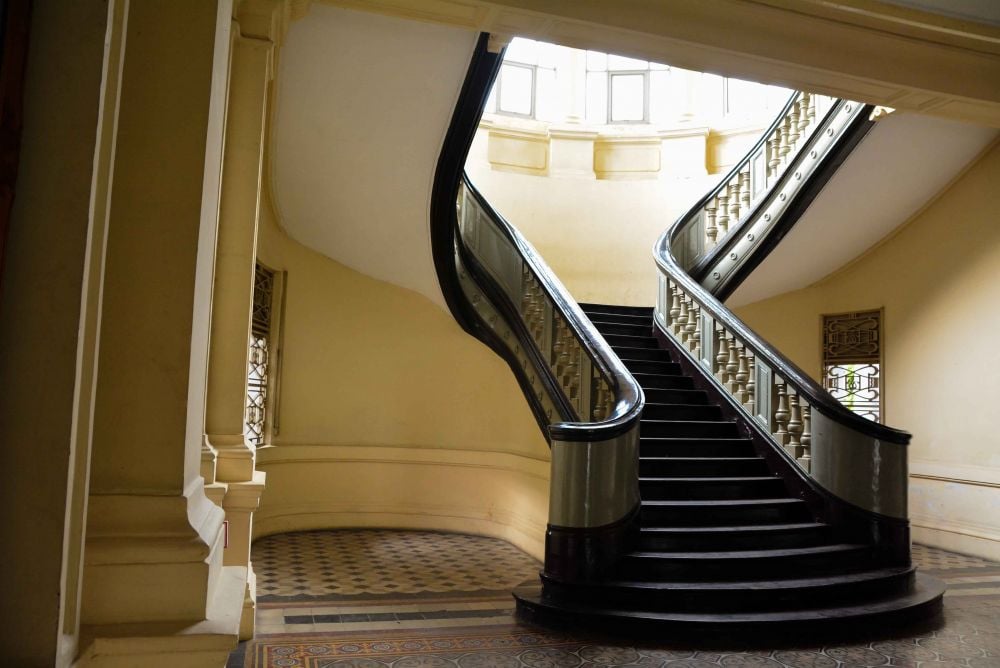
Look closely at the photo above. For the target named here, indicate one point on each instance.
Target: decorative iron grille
(852, 355)
(257, 360)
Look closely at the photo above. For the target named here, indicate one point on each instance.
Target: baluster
(732, 366)
(721, 356)
(694, 323)
(691, 326)
(682, 321)
(722, 214)
(805, 114)
(751, 402)
(793, 125)
(742, 376)
(734, 201)
(794, 446)
(781, 412)
(711, 231)
(786, 143)
(744, 192)
(675, 309)
(773, 145)
(805, 461)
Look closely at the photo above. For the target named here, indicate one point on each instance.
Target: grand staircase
(700, 482)
(720, 539)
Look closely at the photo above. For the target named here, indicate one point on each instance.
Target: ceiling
(902, 164)
(362, 106)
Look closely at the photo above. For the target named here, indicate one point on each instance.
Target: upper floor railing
(704, 254)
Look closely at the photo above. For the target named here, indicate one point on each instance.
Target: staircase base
(916, 611)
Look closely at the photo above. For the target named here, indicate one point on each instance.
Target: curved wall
(362, 105)
(390, 415)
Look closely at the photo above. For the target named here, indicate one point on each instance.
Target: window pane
(522, 50)
(548, 54)
(597, 98)
(597, 61)
(545, 96)
(623, 63)
(515, 89)
(628, 93)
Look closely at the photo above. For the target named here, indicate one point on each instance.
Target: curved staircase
(721, 540)
(701, 482)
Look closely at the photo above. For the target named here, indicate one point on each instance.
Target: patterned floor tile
(450, 608)
(344, 564)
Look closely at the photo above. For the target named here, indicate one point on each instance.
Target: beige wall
(937, 279)
(39, 335)
(390, 415)
(596, 234)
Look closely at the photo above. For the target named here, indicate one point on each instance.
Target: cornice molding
(857, 49)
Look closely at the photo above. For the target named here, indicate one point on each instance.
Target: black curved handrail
(817, 396)
(628, 394)
(831, 162)
(445, 238)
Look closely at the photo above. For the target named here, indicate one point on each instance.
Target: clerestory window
(525, 85)
(852, 361)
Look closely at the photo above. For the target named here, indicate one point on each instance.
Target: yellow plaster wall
(938, 279)
(40, 315)
(390, 415)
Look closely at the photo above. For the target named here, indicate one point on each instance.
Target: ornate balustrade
(858, 460)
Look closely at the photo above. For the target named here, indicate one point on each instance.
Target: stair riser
(655, 354)
(632, 329)
(651, 447)
(650, 366)
(665, 382)
(690, 397)
(681, 412)
(724, 516)
(616, 310)
(732, 540)
(684, 429)
(616, 340)
(744, 568)
(679, 468)
(731, 600)
(695, 490)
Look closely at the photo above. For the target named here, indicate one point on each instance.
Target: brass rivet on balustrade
(829, 132)
(782, 197)
(798, 176)
(848, 108)
(813, 154)
(716, 275)
(733, 256)
(750, 237)
(767, 217)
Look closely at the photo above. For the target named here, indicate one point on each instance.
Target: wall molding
(964, 474)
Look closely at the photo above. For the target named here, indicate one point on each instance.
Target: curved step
(737, 596)
(747, 564)
(921, 602)
(745, 537)
(723, 513)
(733, 487)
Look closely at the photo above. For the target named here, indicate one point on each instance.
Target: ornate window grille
(852, 355)
(257, 360)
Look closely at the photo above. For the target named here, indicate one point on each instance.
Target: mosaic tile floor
(331, 606)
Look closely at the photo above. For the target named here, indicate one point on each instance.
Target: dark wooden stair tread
(745, 528)
(782, 553)
(703, 479)
(783, 583)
